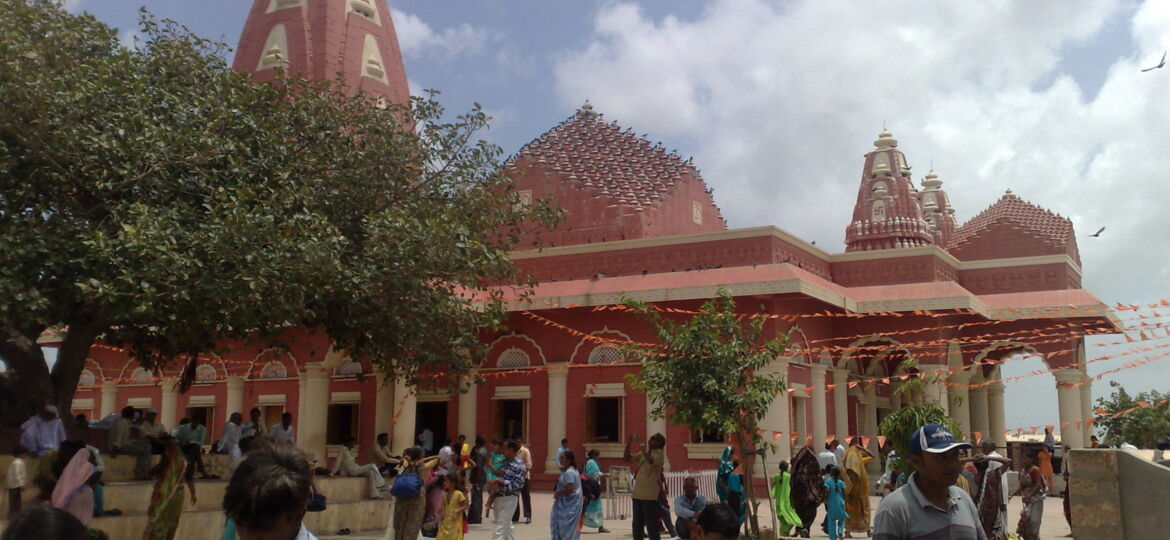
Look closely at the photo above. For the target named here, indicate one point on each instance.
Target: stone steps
(121, 468)
(347, 507)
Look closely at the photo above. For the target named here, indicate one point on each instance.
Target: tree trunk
(749, 490)
(33, 385)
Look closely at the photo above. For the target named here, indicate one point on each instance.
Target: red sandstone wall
(1010, 279)
(1003, 240)
(916, 269)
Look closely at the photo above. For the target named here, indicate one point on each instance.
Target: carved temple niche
(372, 65)
(878, 211)
(881, 165)
(275, 52)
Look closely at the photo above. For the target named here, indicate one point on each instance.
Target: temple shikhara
(912, 282)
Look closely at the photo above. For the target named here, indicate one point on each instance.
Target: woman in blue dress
(835, 504)
(567, 501)
(594, 516)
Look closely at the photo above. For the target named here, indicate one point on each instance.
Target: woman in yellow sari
(856, 488)
(166, 502)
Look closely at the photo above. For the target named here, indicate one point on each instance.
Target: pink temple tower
(937, 209)
(888, 213)
(353, 40)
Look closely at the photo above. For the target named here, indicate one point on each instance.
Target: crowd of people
(951, 485)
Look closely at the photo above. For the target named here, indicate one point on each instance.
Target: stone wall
(1117, 494)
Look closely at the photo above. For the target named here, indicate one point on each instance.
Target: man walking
(513, 479)
(649, 459)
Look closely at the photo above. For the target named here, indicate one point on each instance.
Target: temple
(641, 223)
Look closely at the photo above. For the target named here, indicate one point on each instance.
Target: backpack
(590, 489)
(406, 485)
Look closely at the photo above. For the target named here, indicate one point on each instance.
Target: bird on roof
(1098, 233)
(1160, 63)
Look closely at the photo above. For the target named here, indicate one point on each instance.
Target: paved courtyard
(1054, 525)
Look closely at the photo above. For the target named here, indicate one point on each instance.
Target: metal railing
(619, 505)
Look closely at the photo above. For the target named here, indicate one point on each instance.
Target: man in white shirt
(254, 427)
(229, 441)
(153, 431)
(347, 466)
(826, 457)
(446, 458)
(426, 439)
(283, 432)
(839, 451)
(43, 432)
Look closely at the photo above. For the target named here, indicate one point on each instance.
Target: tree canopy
(1142, 420)
(709, 373)
(154, 199)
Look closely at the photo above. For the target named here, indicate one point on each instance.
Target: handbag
(316, 503)
(406, 485)
(430, 529)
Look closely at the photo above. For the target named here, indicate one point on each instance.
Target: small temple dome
(885, 140)
(931, 181)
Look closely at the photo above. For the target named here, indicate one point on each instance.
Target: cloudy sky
(778, 101)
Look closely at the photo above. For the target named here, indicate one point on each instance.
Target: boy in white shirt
(17, 480)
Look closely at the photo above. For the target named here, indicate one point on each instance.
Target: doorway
(432, 415)
(511, 418)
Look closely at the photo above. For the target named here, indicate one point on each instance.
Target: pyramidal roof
(608, 160)
(1046, 225)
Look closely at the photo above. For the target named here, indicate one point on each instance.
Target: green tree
(154, 199)
(900, 424)
(707, 374)
(1146, 423)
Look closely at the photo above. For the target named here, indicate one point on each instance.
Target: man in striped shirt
(510, 482)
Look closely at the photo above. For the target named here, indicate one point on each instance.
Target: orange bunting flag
(904, 376)
(791, 391)
(1090, 421)
(865, 441)
(1077, 424)
(885, 380)
(1035, 428)
(881, 441)
(808, 390)
(1063, 426)
(852, 384)
(808, 440)
(978, 437)
(1050, 427)
(792, 440)
(1007, 432)
(1143, 404)
(776, 436)
(829, 438)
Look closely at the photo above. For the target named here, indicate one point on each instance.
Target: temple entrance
(511, 418)
(431, 416)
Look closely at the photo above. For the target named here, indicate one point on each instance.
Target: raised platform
(121, 468)
(347, 507)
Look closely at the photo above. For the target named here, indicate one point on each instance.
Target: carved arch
(279, 354)
(577, 358)
(503, 341)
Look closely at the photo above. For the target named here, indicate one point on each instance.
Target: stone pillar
(1086, 411)
(979, 413)
(869, 394)
(467, 408)
(405, 411)
(820, 427)
(558, 378)
(933, 387)
(840, 404)
(960, 402)
(109, 399)
(995, 414)
(779, 417)
(313, 410)
(384, 407)
(235, 398)
(1069, 398)
(169, 405)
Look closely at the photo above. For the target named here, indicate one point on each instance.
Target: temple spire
(324, 40)
(888, 214)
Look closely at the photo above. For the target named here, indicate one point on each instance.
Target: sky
(778, 101)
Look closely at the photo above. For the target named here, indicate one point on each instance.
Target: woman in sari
(725, 469)
(1032, 492)
(808, 489)
(566, 510)
(166, 503)
(856, 488)
(407, 517)
(594, 517)
(782, 496)
(72, 492)
(454, 508)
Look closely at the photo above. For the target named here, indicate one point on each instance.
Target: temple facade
(641, 223)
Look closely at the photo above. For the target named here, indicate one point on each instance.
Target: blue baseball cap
(934, 438)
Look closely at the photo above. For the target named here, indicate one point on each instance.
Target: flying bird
(1098, 233)
(1160, 64)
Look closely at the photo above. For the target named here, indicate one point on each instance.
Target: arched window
(205, 372)
(140, 375)
(348, 368)
(796, 354)
(605, 354)
(274, 369)
(513, 358)
(87, 378)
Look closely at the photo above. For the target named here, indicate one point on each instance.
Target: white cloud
(779, 101)
(419, 39)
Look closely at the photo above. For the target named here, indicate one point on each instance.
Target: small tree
(900, 424)
(1144, 426)
(706, 374)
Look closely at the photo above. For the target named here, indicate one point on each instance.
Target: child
(835, 503)
(17, 480)
(495, 467)
(454, 507)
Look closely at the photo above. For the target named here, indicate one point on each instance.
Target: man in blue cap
(929, 505)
